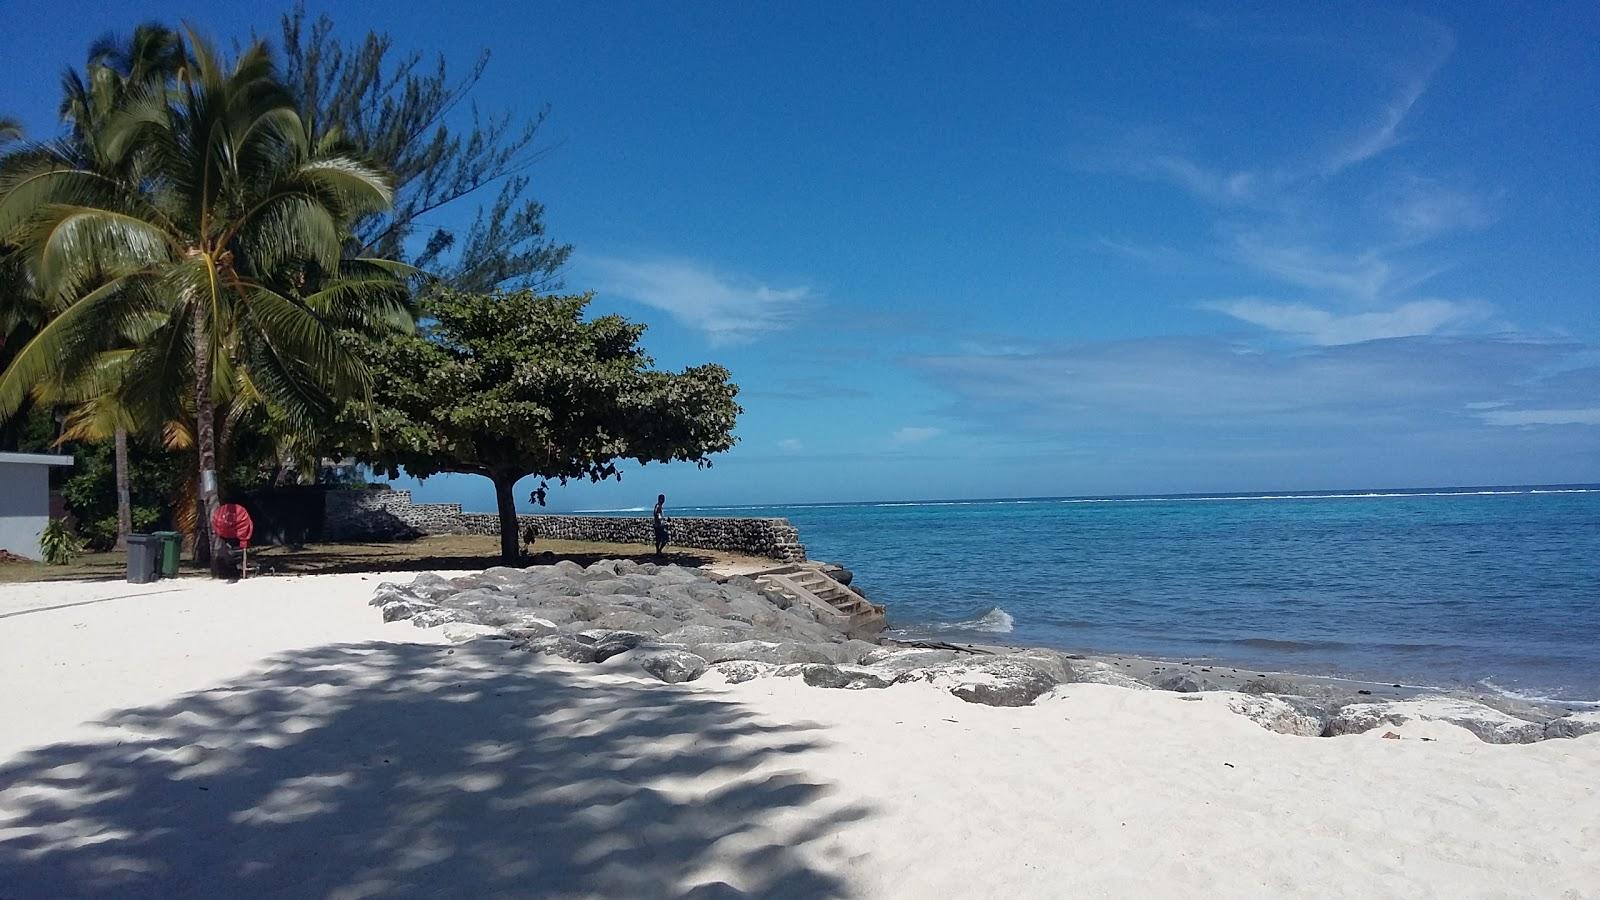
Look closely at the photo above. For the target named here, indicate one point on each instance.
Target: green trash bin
(171, 549)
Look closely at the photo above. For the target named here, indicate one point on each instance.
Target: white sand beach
(273, 737)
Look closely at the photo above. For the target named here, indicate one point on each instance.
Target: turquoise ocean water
(1448, 587)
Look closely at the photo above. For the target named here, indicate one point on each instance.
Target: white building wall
(24, 506)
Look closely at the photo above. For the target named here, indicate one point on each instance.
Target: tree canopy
(397, 108)
(511, 384)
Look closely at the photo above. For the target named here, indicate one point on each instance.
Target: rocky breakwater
(677, 624)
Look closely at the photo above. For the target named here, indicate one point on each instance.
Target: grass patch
(443, 551)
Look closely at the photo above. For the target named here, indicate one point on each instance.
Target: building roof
(37, 459)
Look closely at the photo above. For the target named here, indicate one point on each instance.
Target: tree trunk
(206, 549)
(124, 503)
(506, 503)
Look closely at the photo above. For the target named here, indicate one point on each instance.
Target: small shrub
(59, 545)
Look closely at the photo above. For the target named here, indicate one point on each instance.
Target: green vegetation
(58, 544)
(213, 280)
(508, 385)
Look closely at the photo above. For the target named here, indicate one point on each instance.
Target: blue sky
(950, 251)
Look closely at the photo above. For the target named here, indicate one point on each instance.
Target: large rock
(826, 676)
(395, 610)
(441, 615)
(706, 634)
(561, 645)
(1573, 725)
(1094, 672)
(389, 592)
(894, 661)
(614, 643)
(738, 671)
(776, 653)
(1490, 725)
(1276, 714)
(460, 632)
(992, 681)
(673, 666)
(1188, 683)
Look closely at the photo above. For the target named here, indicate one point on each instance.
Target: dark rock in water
(673, 666)
(1187, 683)
(561, 645)
(839, 573)
(396, 610)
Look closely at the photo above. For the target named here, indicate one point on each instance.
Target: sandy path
(274, 738)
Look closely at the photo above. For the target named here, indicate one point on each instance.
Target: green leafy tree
(508, 385)
(224, 262)
(397, 107)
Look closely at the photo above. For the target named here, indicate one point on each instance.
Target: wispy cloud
(1144, 383)
(1319, 326)
(729, 309)
(791, 445)
(1583, 416)
(1383, 134)
(1423, 208)
(914, 434)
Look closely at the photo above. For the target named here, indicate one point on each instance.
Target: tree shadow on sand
(401, 769)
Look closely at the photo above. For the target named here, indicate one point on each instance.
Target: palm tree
(224, 255)
(114, 73)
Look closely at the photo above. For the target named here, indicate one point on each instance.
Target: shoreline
(1231, 676)
(1151, 671)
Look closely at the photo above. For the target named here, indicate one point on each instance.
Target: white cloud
(1318, 326)
(1588, 416)
(1384, 133)
(1143, 382)
(914, 434)
(791, 445)
(1360, 276)
(1422, 208)
(728, 309)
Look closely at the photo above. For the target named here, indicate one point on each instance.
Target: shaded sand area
(275, 737)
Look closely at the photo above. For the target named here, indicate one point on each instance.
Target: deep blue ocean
(1445, 587)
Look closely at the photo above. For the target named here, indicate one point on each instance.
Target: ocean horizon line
(1194, 496)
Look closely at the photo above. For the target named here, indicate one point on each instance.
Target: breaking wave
(1531, 697)
(993, 620)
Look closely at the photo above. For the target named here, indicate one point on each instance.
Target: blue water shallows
(1495, 587)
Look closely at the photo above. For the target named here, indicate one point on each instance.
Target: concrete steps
(808, 584)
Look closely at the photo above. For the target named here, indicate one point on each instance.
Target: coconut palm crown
(209, 233)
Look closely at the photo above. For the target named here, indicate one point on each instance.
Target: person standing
(660, 523)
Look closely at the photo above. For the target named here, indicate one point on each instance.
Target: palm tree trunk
(510, 549)
(205, 432)
(124, 503)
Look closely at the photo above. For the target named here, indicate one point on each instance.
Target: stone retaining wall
(391, 515)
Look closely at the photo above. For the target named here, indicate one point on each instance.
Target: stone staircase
(810, 585)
